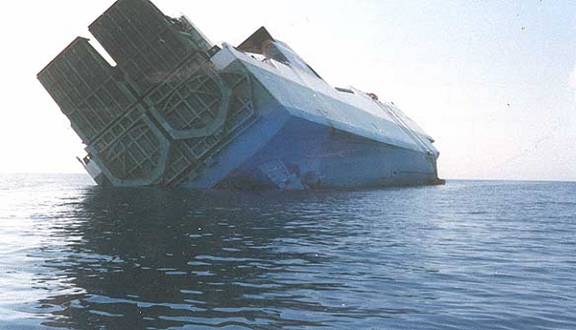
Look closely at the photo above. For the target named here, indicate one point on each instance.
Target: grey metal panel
(82, 83)
(193, 101)
(132, 151)
(145, 43)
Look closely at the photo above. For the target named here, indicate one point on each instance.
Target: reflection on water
(160, 258)
(464, 255)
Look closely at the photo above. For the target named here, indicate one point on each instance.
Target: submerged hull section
(176, 111)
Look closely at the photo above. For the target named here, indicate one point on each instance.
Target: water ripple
(496, 255)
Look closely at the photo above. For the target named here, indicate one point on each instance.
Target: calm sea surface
(468, 255)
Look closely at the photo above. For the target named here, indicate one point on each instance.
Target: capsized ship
(176, 110)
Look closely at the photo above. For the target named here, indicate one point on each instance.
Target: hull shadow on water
(126, 258)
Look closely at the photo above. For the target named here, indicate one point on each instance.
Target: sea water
(467, 255)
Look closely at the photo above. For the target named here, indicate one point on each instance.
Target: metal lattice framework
(163, 112)
(190, 154)
(83, 84)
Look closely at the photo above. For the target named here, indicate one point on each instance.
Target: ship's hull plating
(177, 111)
(293, 148)
(305, 155)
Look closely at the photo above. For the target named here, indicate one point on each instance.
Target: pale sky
(492, 81)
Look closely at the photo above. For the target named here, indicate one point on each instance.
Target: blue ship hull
(305, 155)
(299, 147)
(186, 113)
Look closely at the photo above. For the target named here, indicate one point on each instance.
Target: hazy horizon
(493, 82)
